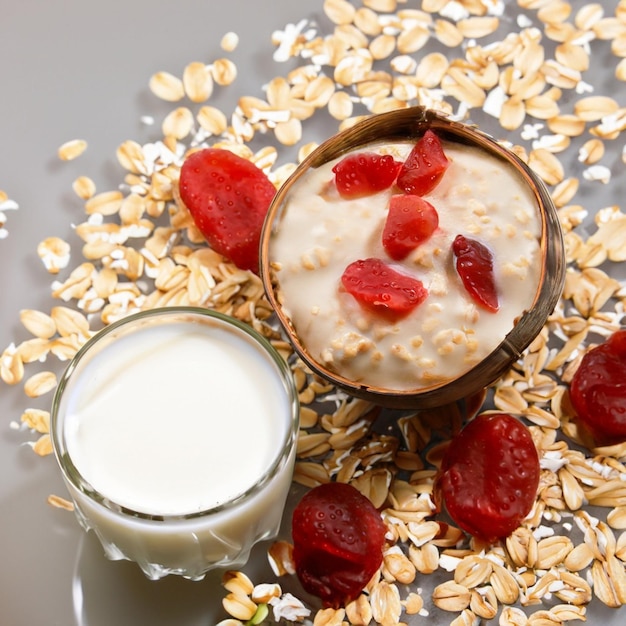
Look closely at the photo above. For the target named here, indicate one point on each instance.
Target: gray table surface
(80, 69)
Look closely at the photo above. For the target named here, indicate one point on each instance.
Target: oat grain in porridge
(321, 234)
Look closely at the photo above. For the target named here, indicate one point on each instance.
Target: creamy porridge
(321, 233)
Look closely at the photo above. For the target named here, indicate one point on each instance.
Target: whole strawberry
(228, 198)
(489, 476)
(338, 538)
(598, 390)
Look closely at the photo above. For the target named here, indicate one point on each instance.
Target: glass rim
(284, 450)
(408, 125)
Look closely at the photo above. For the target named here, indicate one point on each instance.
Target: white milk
(177, 420)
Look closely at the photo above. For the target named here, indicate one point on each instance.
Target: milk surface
(162, 422)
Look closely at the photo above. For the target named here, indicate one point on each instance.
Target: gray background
(80, 69)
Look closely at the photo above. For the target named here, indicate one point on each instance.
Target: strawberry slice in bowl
(474, 264)
(365, 173)
(424, 167)
(411, 221)
(382, 289)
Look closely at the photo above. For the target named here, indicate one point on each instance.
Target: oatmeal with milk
(407, 282)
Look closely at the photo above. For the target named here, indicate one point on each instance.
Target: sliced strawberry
(424, 167)
(489, 476)
(474, 264)
(365, 173)
(410, 221)
(598, 390)
(338, 539)
(381, 289)
(228, 198)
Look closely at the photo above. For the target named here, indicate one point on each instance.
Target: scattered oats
(60, 503)
(385, 603)
(494, 102)
(513, 616)
(454, 11)
(212, 120)
(104, 203)
(240, 606)
(597, 173)
(404, 64)
(477, 27)
(229, 41)
(573, 56)
(54, 253)
(72, 149)
(451, 596)
(448, 33)
(570, 125)
(6, 204)
(43, 446)
(564, 192)
(588, 16)
(529, 131)
(591, 151)
(40, 384)
(552, 143)
(594, 108)
(583, 87)
(546, 165)
(37, 420)
(339, 11)
(197, 81)
(542, 107)
(223, 71)
(340, 105)
(167, 86)
(178, 124)
(448, 562)
(611, 125)
(288, 608)
(141, 249)
(38, 323)
(84, 187)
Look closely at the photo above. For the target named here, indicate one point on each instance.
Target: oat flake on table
(6, 204)
(523, 72)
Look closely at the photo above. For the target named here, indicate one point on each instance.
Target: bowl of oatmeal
(411, 259)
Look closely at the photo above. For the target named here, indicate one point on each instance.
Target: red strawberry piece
(489, 476)
(365, 173)
(338, 539)
(382, 289)
(474, 265)
(424, 167)
(598, 390)
(228, 198)
(410, 221)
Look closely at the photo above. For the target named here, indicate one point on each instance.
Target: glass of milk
(175, 430)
